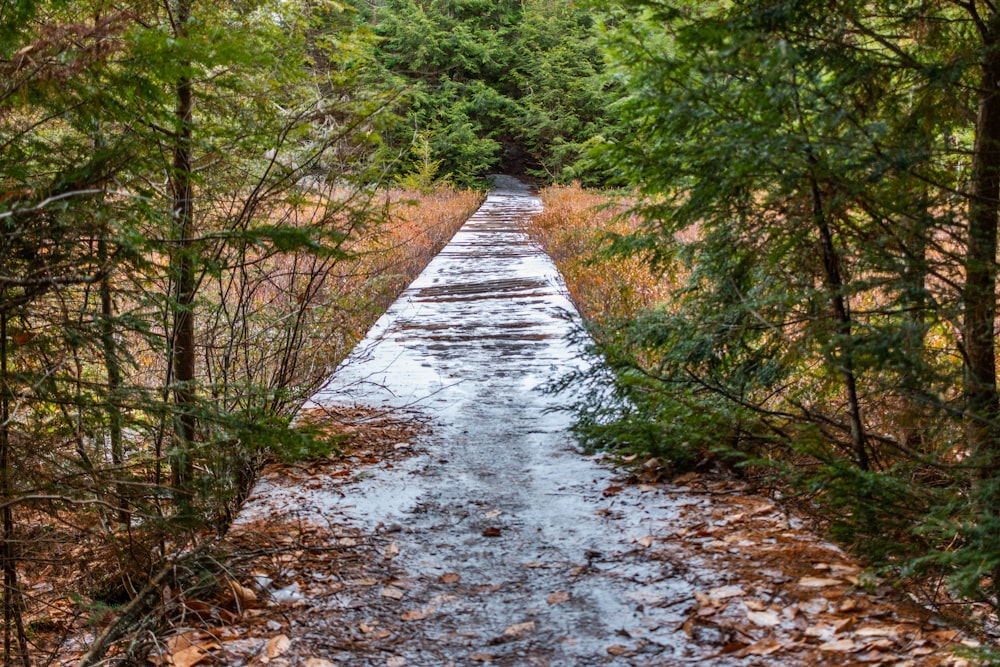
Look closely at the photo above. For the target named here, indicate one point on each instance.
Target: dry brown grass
(76, 559)
(571, 229)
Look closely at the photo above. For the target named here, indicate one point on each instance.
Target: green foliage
(802, 173)
(91, 129)
(512, 86)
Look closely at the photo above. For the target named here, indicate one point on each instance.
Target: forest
(778, 217)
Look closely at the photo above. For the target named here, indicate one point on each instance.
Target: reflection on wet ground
(546, 574)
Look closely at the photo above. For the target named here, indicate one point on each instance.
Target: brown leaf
(183, 641)
(277, 646)
(765, 646)
(481, 657)
(726, 592)
(519, 629)
(491, 532)
(318, 662)
(612, 491)
(415, 615)
(189, 656)
(845, 624)
(874, 631)
(765, 619)
(393, 593)
(839, 646)
(731, 647)
(617, 649)
(558, 597)
(450, 578)
(876, 657)
(391, 551)
(846, 605)
(241, 593)
(818, 582)
(646, 541)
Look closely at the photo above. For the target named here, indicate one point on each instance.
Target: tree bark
(979, 300)
(13, 623)
(182, 262)
(845, 356)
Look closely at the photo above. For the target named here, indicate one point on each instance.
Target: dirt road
(497, 541)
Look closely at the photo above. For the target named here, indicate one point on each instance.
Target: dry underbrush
(571, 229)
(79, 564)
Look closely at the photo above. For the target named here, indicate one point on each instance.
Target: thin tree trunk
(12, 620)
(845, 357)
(980, 308)
(183, 271)
(113, 369)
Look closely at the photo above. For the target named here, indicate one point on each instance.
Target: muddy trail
(469, 529)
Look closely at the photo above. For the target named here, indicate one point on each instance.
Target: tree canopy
(822, 180)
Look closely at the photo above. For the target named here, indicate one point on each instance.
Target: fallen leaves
(765, 619)
(492, 532)
(188, 657)
(726, 592)
(318, 662)
(450, 578)
(519, 629)
(393, 593)
(818, 582)
(277, 646)
(186, 649)
(558, 597)
(481, 657)
(242, 594)
(838, 646)
(415, 614)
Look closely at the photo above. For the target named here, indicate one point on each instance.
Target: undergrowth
(687, 387)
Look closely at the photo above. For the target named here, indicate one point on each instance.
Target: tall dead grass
(572, 229)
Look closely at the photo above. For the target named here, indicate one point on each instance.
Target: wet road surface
(488, 538)
(505, 539)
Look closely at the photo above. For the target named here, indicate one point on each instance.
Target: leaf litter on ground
(782, 593)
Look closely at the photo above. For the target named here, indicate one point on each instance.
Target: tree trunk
(13, 624)
(980, 310)
(113, 369)
(845, 356)
(183, 270)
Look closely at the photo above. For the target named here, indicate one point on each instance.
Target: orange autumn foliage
(571, 229)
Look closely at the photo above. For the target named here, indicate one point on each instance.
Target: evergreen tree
(812, 174)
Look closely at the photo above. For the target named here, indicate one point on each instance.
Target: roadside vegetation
(815, 194)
